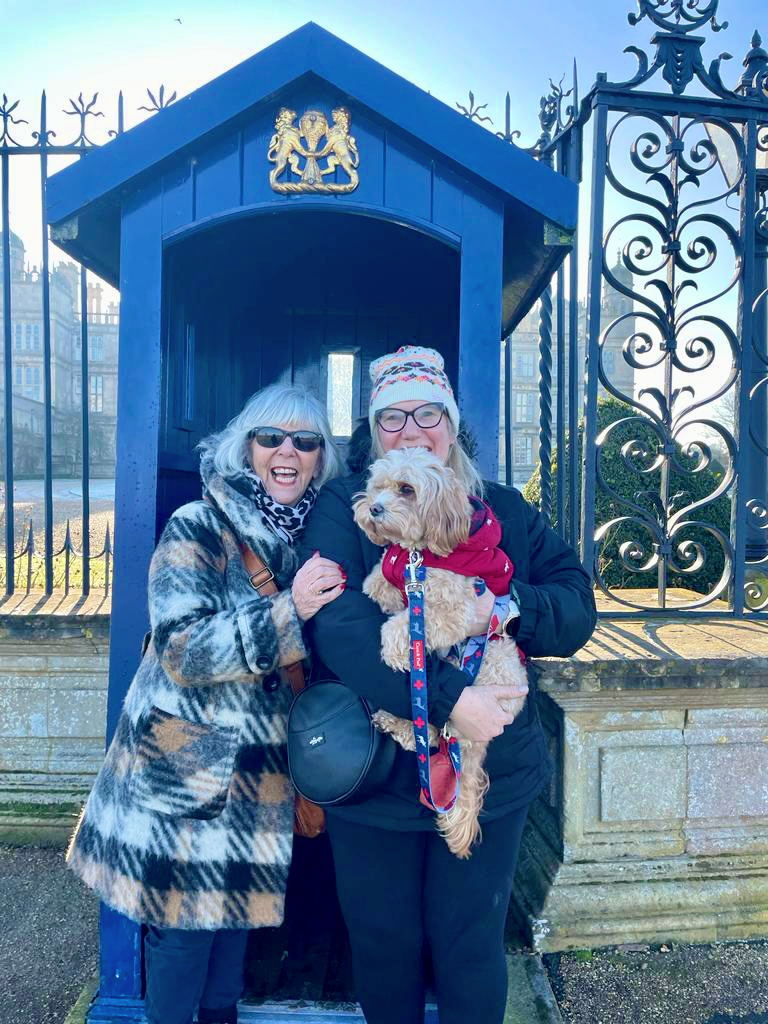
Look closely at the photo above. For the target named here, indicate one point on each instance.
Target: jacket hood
(233, 497)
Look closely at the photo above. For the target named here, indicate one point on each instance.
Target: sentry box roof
(418, 160)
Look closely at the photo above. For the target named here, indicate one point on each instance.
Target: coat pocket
(182, 769)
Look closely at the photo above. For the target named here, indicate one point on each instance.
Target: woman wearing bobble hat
(401, 890)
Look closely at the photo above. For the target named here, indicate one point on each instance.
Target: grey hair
(278, 405)
(458, 460)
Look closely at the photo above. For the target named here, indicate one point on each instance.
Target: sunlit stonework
(312, 140)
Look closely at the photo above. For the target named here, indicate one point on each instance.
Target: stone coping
(643, 654)
(37, 603)
(623, 654)
(35, 617)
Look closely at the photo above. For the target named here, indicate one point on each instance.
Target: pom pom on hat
(412, 373)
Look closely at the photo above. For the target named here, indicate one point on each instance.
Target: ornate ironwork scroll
(673, 500)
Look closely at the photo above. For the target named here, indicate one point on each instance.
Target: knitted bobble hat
(412, 373)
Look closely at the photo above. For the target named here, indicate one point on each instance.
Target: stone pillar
(655, 827)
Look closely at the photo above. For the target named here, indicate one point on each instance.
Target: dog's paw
(395, 645)
(400, 729)
(386, 596)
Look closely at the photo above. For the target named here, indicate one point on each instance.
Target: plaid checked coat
(189, 823)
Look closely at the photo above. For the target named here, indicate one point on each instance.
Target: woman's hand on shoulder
(317, 582)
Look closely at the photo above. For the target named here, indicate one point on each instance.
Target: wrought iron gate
(672, 498)
(40, 402)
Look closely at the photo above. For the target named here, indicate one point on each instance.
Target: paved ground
(49, 941)
(48, 936)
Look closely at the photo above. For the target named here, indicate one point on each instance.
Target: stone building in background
(66, 371)
(524, 405)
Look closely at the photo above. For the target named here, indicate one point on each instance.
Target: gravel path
(49, 944)
(48, 936)
(724, 984)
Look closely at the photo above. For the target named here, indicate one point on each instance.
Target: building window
(524, 406)
(36, 378)
(76, 388)
(340, 388)
(96, 393)
(524, 364)
(18, 337)
(523, 451)
(28, 338)
(18, 375)
(609, 361)
(36, 333)
(97, 348)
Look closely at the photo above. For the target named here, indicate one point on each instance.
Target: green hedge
(684, 488)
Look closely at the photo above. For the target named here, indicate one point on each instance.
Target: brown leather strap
(261, 576)
(263, 582)
(308, 818)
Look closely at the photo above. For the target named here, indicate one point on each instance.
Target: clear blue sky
(444, 46)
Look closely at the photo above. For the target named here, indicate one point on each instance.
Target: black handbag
(336, 755)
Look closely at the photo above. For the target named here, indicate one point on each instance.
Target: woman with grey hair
(188, 828)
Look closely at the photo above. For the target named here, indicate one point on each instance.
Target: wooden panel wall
(396, 173)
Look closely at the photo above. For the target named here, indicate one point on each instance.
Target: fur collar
(232, 497)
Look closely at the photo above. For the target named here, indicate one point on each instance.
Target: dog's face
(413, 499)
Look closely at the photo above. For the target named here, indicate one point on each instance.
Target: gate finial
(679, 16)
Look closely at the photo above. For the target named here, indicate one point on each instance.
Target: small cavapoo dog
(415, 501)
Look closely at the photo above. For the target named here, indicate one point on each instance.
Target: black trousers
(187, 968)
(402, 891)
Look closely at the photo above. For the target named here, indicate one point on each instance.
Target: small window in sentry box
(341, 377)
(188, 397)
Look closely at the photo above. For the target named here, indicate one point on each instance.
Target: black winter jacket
(557, 617)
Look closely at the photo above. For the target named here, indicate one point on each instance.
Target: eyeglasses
(425, 416)
(273, 437)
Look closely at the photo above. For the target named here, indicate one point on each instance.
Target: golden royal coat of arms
(286, 150)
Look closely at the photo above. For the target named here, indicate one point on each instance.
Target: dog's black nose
(377, 510)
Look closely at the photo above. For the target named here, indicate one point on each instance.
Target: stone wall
(654, 828)
(53, 701)
(656, 823)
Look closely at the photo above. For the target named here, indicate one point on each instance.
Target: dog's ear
(361, 511)
(446, 512)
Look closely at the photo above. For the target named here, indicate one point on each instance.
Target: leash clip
(414, 573)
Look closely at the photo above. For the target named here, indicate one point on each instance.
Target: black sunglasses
(273, 437)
